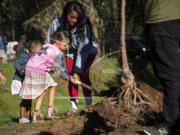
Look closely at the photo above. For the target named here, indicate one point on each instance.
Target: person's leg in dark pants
(85, 79)
(167, 67)
(25, 107)
(166, 64)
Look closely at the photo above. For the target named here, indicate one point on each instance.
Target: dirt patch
(107, 117)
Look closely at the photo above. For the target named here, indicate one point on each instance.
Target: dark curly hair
(60, 35)
(82, 19)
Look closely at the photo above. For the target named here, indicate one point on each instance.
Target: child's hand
(76, 76)
(73, 80)
(3, 79)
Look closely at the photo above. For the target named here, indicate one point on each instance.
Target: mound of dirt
(110, 116)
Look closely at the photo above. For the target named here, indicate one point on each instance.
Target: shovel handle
(88, 87)
(84, 85)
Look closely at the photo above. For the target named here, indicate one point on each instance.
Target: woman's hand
(3, 79)
(75, 78)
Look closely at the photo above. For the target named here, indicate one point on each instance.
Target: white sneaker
(24, 120)
(74, 104)
(159, 129)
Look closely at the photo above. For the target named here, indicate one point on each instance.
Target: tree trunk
(93, 16)
(127, 76)
(130, 94)
(115, 22)
(13, 31)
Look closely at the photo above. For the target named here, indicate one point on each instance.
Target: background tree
(15, 12)
(12, 13)
(35, 16)
(42, 20)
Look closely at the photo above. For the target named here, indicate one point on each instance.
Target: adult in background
(3, 44)
(82, 50)
(163, 29)
(22, 46)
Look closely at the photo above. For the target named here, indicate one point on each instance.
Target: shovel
(88, 87)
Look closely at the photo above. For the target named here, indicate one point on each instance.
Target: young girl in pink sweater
(37, 77)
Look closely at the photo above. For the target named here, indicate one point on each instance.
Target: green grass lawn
(9, 104)
(104, 74)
